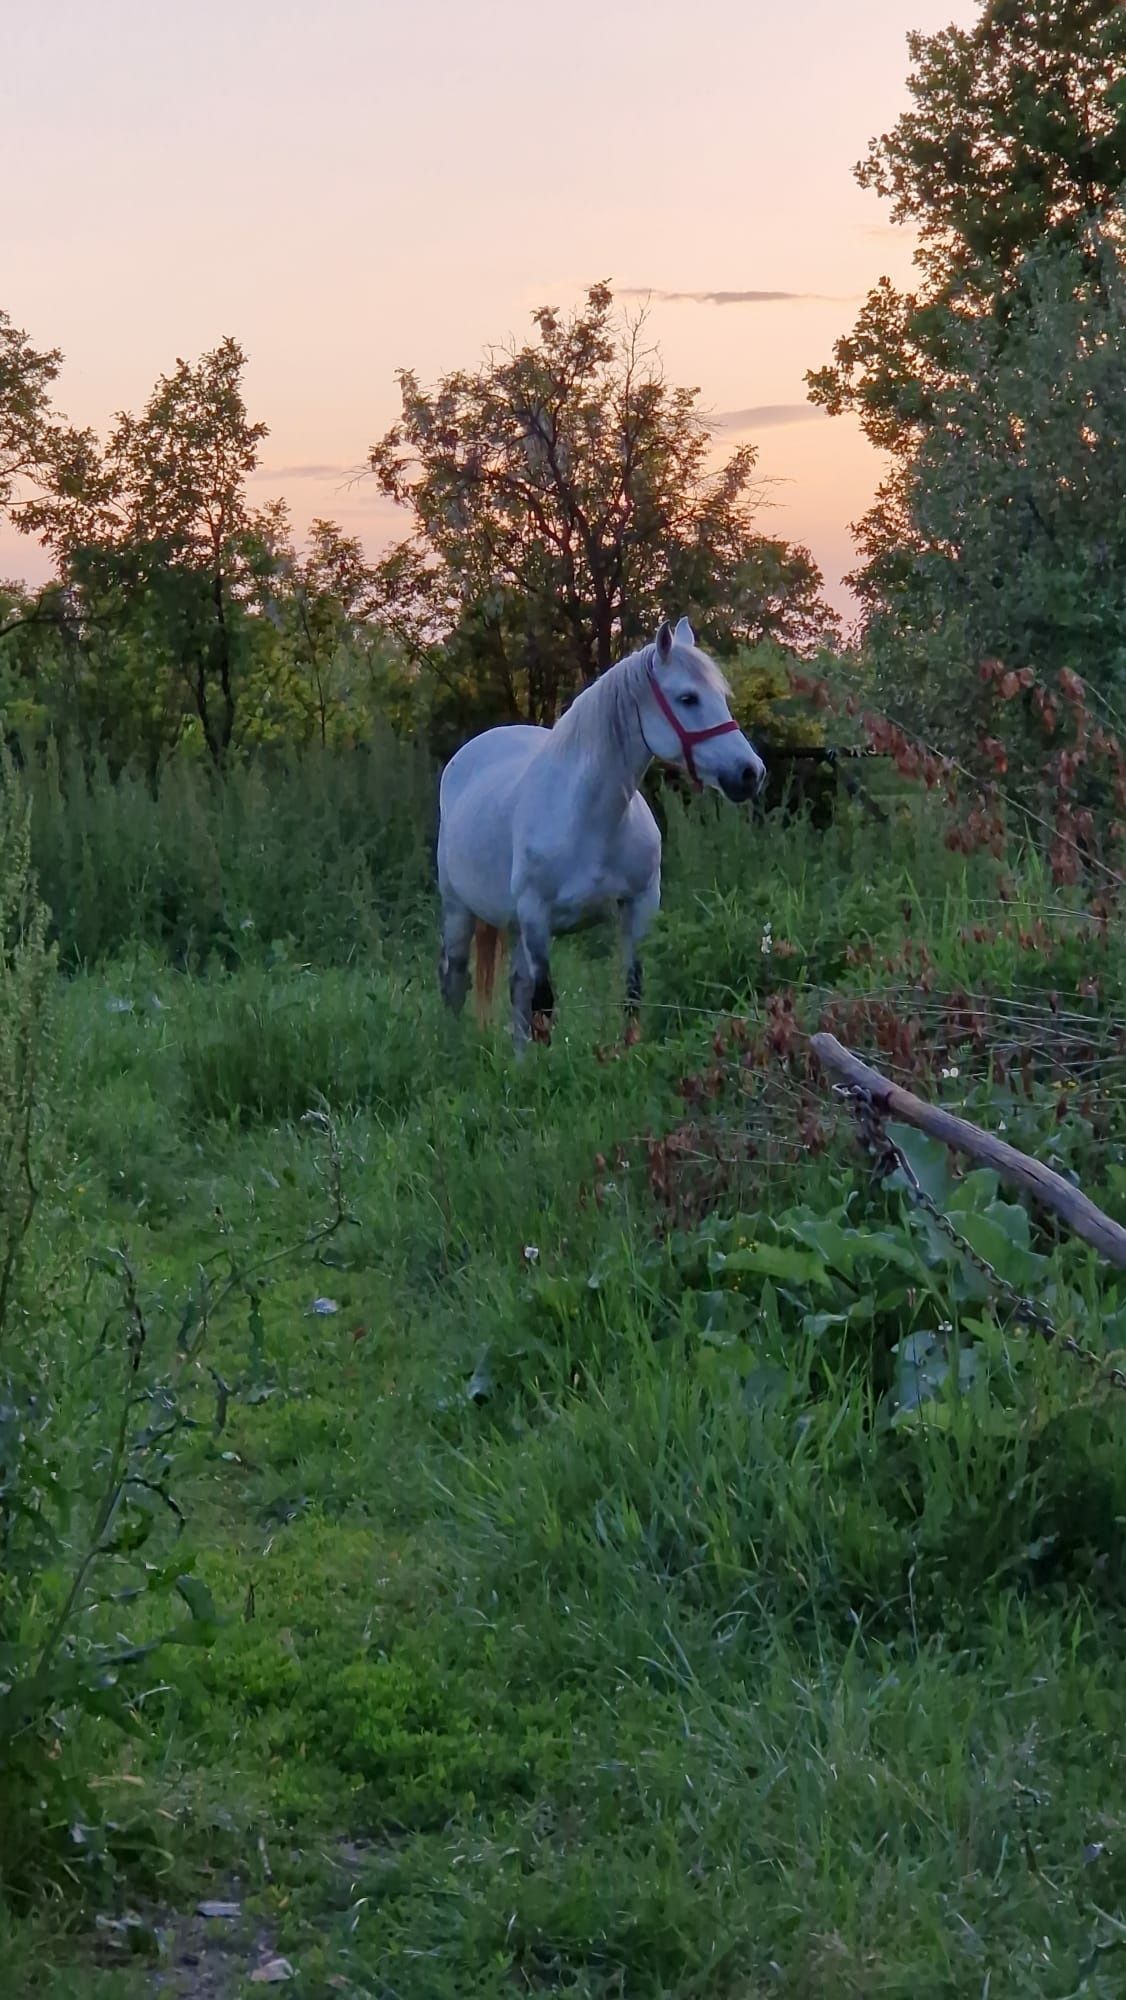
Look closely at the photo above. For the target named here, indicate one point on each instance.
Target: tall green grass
(322, 852)
(598, 1612)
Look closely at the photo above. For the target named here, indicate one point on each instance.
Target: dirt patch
(206, 1956)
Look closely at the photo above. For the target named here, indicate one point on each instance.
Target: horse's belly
(569, 916)
(588, 901)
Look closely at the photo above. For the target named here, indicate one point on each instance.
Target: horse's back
(476, 803)
(498, 757)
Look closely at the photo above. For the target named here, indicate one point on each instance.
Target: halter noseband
(685, 737)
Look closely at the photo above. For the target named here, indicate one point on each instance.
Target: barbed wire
(843, 672)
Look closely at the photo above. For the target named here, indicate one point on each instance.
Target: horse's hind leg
(533, 997)
(453, 966)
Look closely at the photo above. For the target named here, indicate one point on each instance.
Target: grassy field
(627, 1553)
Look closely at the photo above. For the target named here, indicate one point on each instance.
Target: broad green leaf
(1010, 1216)
(789, 1265)
(198, 1599)
(823, 1233)
(767, 1384)
(844, 1248)
(720, 1315)
(976, 1189)
(921, 1369)
(996, 1236)
(814, 1325)
(928, 1158)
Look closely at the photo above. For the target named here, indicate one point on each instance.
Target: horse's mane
(606, 711)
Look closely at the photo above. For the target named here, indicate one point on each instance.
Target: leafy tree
(26, 376)
(1015, 529)
(1016, 141)
(320, 602)
(153, 533)
(562, 498)
(29, 434)
(41, 661)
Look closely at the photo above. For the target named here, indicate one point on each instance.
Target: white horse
(542, 830)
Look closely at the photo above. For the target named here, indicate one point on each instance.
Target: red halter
(686, 737)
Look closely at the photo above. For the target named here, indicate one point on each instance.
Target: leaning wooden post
(1034, 1179)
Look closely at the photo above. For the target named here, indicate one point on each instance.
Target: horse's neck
(612, 750)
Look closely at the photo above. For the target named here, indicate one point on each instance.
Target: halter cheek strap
(686, 737)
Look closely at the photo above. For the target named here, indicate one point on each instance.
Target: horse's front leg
(533, 1000)
(637, 914)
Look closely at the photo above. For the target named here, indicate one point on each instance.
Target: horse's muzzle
(739, 786)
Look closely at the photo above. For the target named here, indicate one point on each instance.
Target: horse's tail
(488, 956)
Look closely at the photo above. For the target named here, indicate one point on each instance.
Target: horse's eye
(689, 700)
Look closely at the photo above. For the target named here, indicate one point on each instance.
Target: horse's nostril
(743, 783)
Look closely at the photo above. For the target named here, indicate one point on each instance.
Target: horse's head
(687, 720)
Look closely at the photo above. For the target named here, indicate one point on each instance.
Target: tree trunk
(223, 661)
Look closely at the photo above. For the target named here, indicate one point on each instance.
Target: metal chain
(887, 1158)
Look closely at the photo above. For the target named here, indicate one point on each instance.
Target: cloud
(717, 298)
(763, 416)
(309, 471)
(889, 232)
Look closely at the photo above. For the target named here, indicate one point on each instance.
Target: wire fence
(1051, 1076)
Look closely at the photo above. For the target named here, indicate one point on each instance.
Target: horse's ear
(664, 642)
(684, 635)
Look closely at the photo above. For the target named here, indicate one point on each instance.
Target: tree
(153, 533)
(1015, 542)
(40, 662)
(26, 375)
(1016, 141)
(562, 499)
(28, 436)
(330, 653)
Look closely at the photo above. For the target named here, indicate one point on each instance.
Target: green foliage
(266, 1050)
(27, 965)
(994, 384)
(100, 1578)
(314, 852)
(153, 533)
(62, 1510)
(591, 1600)
(1016, 540)
(26, 376)
(1017, 135)
(329, 676)
(1016, 140)
(761, 696)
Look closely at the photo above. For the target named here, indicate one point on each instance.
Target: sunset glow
(355, 188)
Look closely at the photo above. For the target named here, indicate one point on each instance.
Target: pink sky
(348, 188)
